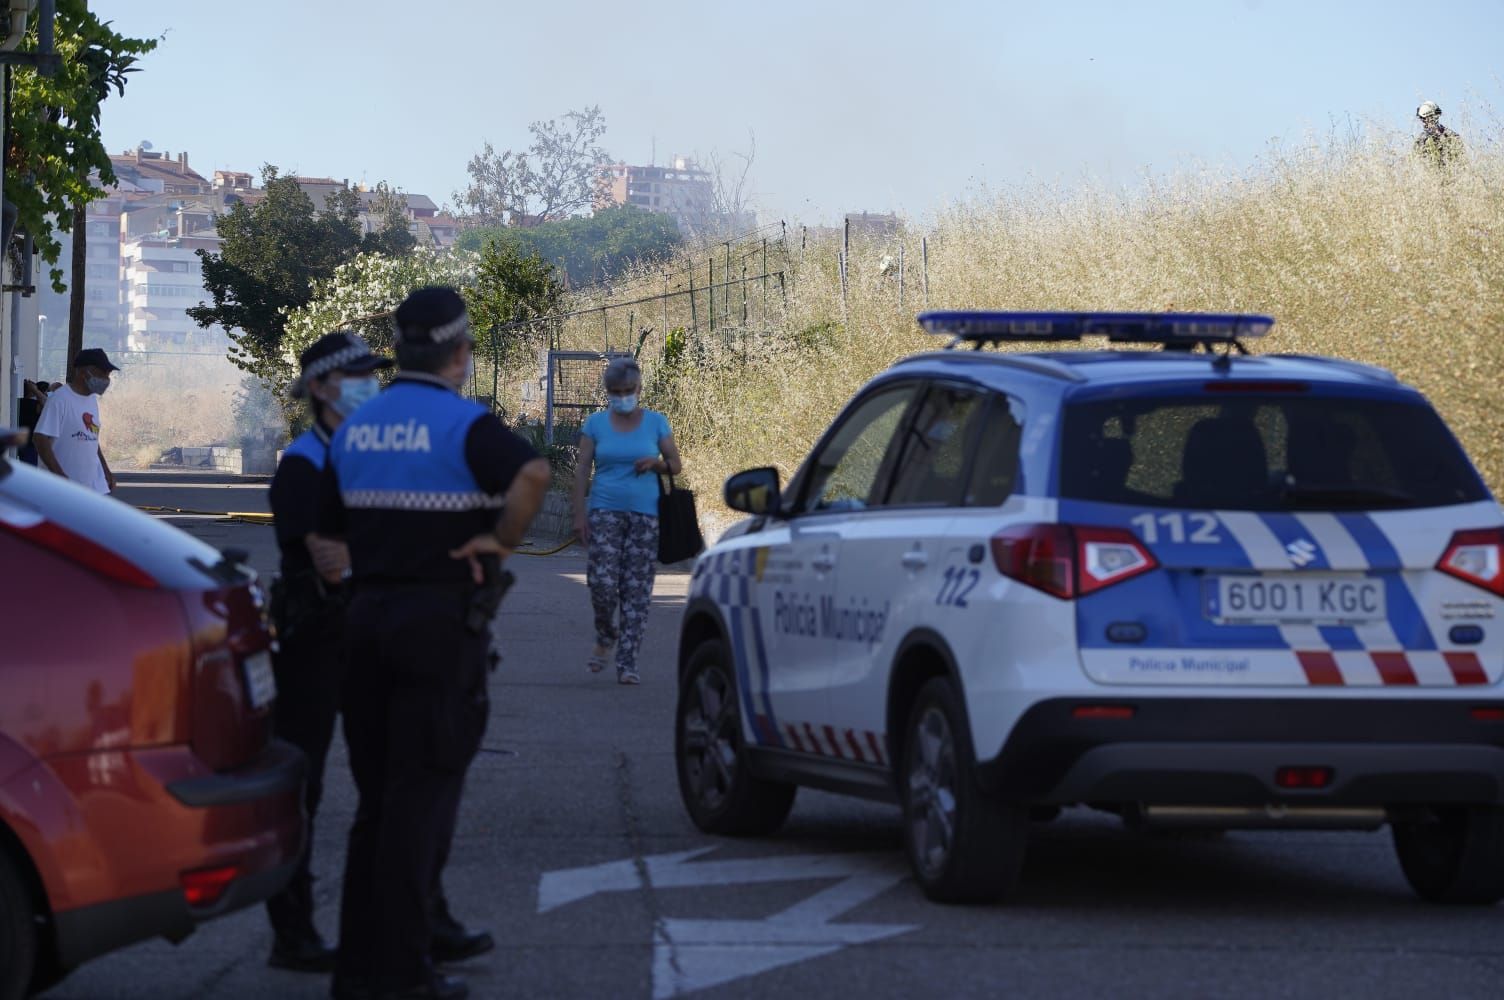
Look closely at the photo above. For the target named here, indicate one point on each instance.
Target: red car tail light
(1477, 557)
(1303, 777)
(78, 549)
(1069, 561)
(1103, 712)
(205, 886)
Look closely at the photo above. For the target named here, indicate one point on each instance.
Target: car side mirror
(754, 491)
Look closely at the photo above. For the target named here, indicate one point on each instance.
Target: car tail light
(1103, 712)
(1488, 713)
(205, 886)
(1069, 561)
(1303, 777)
(1476, 556)
(76, 548)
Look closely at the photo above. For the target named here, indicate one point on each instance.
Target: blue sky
(872, 106)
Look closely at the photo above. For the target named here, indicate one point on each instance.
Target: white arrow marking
(690, 955)
(669, 871)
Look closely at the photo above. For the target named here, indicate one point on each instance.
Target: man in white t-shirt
(67, 434)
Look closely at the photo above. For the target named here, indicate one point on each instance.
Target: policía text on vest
(409, 436)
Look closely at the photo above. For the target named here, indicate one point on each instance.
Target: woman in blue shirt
(626, 446)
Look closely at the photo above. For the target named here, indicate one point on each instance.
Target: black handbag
(678, 525)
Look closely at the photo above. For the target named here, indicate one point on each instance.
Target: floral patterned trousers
(622, 559)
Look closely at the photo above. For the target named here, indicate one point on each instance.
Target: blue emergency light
(1187, 329)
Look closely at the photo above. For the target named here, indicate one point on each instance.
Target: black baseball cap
(434, 314)
(340, 351)
(94, 356)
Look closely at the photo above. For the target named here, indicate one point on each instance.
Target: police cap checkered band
(338, 351)
(431, 315)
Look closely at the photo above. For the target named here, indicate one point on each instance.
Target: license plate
(260, 682)
(1307, 599)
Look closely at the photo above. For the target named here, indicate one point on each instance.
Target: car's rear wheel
(717, 785)
(1454, 856)
(18, 933)
(964, 845)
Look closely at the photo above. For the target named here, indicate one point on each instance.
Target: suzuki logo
(1301, 553)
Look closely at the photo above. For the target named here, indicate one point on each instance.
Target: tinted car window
(932, 463)
(1295, 452)
(845, 470)
(995, 476)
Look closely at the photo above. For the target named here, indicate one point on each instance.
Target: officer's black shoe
(452, 941)
(436, 988)
(459, 943)
(306, 952)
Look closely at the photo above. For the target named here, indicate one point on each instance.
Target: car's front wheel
(719, 790)
(1456, 855)
(964, 845)
(18, 934)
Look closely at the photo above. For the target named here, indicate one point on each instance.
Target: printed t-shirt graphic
(71, 419)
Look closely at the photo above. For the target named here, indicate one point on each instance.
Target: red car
(140, 789)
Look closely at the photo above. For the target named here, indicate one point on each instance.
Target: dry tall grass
(166, 402)
(1357, 248)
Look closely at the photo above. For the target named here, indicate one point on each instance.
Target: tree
(510, 286)
(361, 294)
(591, 249)
(561, 173)
(730, 198)
(54, 148)
(393, 237)
(269, 262)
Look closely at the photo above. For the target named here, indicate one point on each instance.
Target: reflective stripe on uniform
(420, 500)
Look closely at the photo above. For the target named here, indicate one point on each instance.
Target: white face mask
(469, 374)
(624, 404)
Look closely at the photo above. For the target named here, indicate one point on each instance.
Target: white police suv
(1189, 586)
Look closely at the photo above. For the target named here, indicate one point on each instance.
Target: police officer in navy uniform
(308, 607)
(430, 491)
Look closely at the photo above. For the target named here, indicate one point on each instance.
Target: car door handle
(823, 563)
(915, 559)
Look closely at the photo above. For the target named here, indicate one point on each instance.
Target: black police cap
(431, 315)
(341, 351)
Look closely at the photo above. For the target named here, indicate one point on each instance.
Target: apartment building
(681, 190)
(163, 279)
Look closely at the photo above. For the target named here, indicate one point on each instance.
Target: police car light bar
(1118, 327)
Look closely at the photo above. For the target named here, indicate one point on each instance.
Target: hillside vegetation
(1358, 249)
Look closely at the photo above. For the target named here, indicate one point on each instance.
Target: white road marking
(691, 955)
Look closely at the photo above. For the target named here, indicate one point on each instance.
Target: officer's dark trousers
(309, 668)
(415, 712)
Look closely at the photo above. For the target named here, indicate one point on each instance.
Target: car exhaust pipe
(1271, 816)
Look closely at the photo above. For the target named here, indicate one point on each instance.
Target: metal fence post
(841, 261)
(924, 250)
(548, 413)
(605, 329)
(710, 287)
(764, 284)
(694, 316)
(900, 275)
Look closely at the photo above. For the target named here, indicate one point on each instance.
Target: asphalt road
(578, 773)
